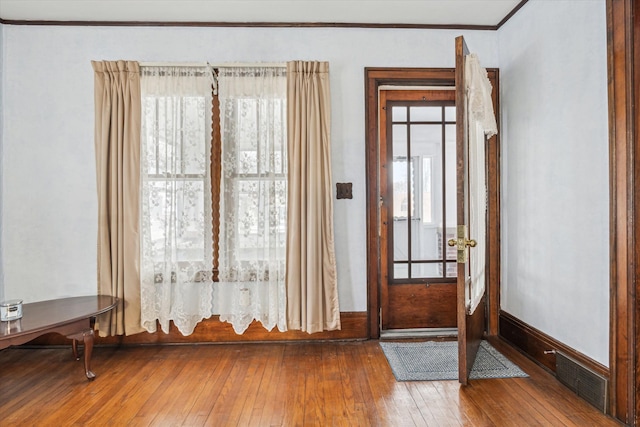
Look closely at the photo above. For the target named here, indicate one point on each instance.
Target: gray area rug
(434, 361)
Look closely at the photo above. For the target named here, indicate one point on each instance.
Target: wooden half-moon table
(70, 317)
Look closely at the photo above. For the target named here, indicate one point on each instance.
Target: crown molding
(265, 24)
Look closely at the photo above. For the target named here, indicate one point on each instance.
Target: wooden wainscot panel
(540, 347)
(437, 308)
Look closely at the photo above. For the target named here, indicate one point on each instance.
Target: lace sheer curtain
(176, 217)
(482, 125)
(253, 206)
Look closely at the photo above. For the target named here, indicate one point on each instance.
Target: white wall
(49, 202)
(555, 198)
(552, 59)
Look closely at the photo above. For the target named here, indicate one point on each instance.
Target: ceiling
(455, 13)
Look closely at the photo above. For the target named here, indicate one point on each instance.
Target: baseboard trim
(212, 330)
(540, 347)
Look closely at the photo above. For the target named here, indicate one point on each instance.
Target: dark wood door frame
(374, 78)
(623, 52)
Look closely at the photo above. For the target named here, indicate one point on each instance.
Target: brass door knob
(467, 243)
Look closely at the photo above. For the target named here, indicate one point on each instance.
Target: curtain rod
(205, 64)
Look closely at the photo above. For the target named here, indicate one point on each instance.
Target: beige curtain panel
(117, 145)
(312, 291)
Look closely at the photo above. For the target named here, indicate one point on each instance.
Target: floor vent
(583, 381)
(418, 333)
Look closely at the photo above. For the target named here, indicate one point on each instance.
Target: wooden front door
(471, 203)
(417, 181)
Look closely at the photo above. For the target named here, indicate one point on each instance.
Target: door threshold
(418, 333)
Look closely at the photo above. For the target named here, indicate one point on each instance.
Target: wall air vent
(587, 384)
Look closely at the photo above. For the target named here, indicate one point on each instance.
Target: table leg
(87, 337)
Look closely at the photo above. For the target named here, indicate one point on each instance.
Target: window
(176, 189)
(221, 201)
(253, 205)
(256, 185)
(187, 176)
(214, 196)
(196, 203)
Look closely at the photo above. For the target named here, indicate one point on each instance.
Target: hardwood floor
(269, 384)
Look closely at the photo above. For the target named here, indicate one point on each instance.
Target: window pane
(150, 136)
(425, 114)
(193, 137)
(186, 229)
(247, 162)
(175, 135)
(261, 218)
(278, 160)
(259, 126)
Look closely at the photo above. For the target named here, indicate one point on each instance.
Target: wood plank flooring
(269, 384)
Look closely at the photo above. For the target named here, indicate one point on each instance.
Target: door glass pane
(403, 189)
(426, 270)
(400, 271)
(400, 239)
(399, 114)
(427, 190)
(426, 149)
(450, 114)
(450, 176)
(452, 269)
(451, 198)
(425, 139)
(425, 114)
(399, 135)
